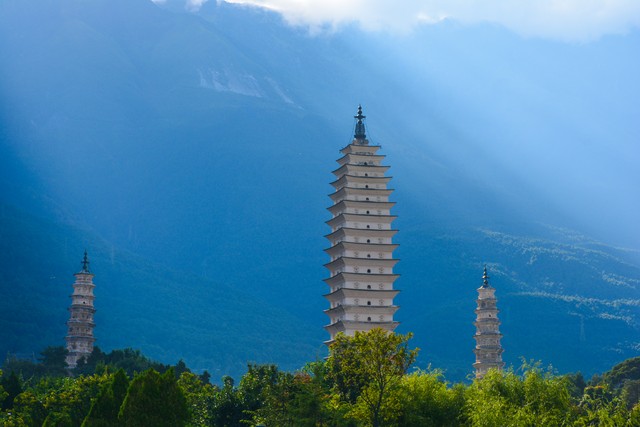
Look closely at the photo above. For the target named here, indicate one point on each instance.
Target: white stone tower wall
(80, 325)
(488, 349)
(361, 276)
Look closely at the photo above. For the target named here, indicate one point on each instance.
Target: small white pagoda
(80, 324)
(488, 349)
(361, 268)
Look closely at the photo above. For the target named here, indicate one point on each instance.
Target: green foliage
(105, 408)
(154, 400)
(10, 387)
(256, 387)
(28, 410)
(130, 360)
(630, 393)
(227, 408)
(53, 360)
(88, 365)
(364, 383)
(255, 384)
(428, 401)
(600, 407)
(627, 370)
(205, 377)
(74, 396)
(367, 369)
(3, 394)
(537, 398)
(23, 368)
(312, 404)
(200, 397)
(51, 363)
(577, 384)
(58, 419)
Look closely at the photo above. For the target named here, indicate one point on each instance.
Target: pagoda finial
(360, 134)
(85, 263)
(485, 278)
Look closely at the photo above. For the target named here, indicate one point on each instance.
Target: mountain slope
(139, 304)
(204, 144)
(564, 299)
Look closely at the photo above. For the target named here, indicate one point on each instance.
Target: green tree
(227, 409)
(367, 369)
(630, 393)
(58, 419)
(105, 408)
(132, 361)
(72, 396)
(28, 410)
(600, 407)
(154, 400)
(312, 405)
(428, 401)
(53, 361)
(12, 386)
(254, 383)
(277, 399)
(205, 377)
(577, 384)
(537, 398)
(180, 368)
(626, 370)
(88, 365)
(199, 397)
(3, 393)
(25, 369)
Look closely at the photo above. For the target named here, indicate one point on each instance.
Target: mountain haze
(190, 153)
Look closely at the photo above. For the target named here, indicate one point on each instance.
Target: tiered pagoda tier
(488, 349)
(361, 268)
(80, 325)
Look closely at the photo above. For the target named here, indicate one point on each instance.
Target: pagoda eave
(346, 168)
(362, 262)
(343, 277)
(345, 179)
(359, 159)
(373, 310)
(361, 232)
(357, 147)
(357, 325)
(339, 195)
(373, 247)
(344, 217)
(361, 293)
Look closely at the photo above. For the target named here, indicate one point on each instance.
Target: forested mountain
(190, 154)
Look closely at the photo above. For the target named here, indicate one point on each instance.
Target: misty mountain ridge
(197, 148)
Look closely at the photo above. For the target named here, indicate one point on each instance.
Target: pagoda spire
(360, 132)
(85, 263)
(485, 278)
(488, 348)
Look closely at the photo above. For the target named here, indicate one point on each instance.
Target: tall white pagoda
(80, 324)
(488, 349)
(361, 268)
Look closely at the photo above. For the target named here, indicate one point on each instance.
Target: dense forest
(367, 380)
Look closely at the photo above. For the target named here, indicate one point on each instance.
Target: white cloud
(190, 5)
(569, 20)
(194, 5)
